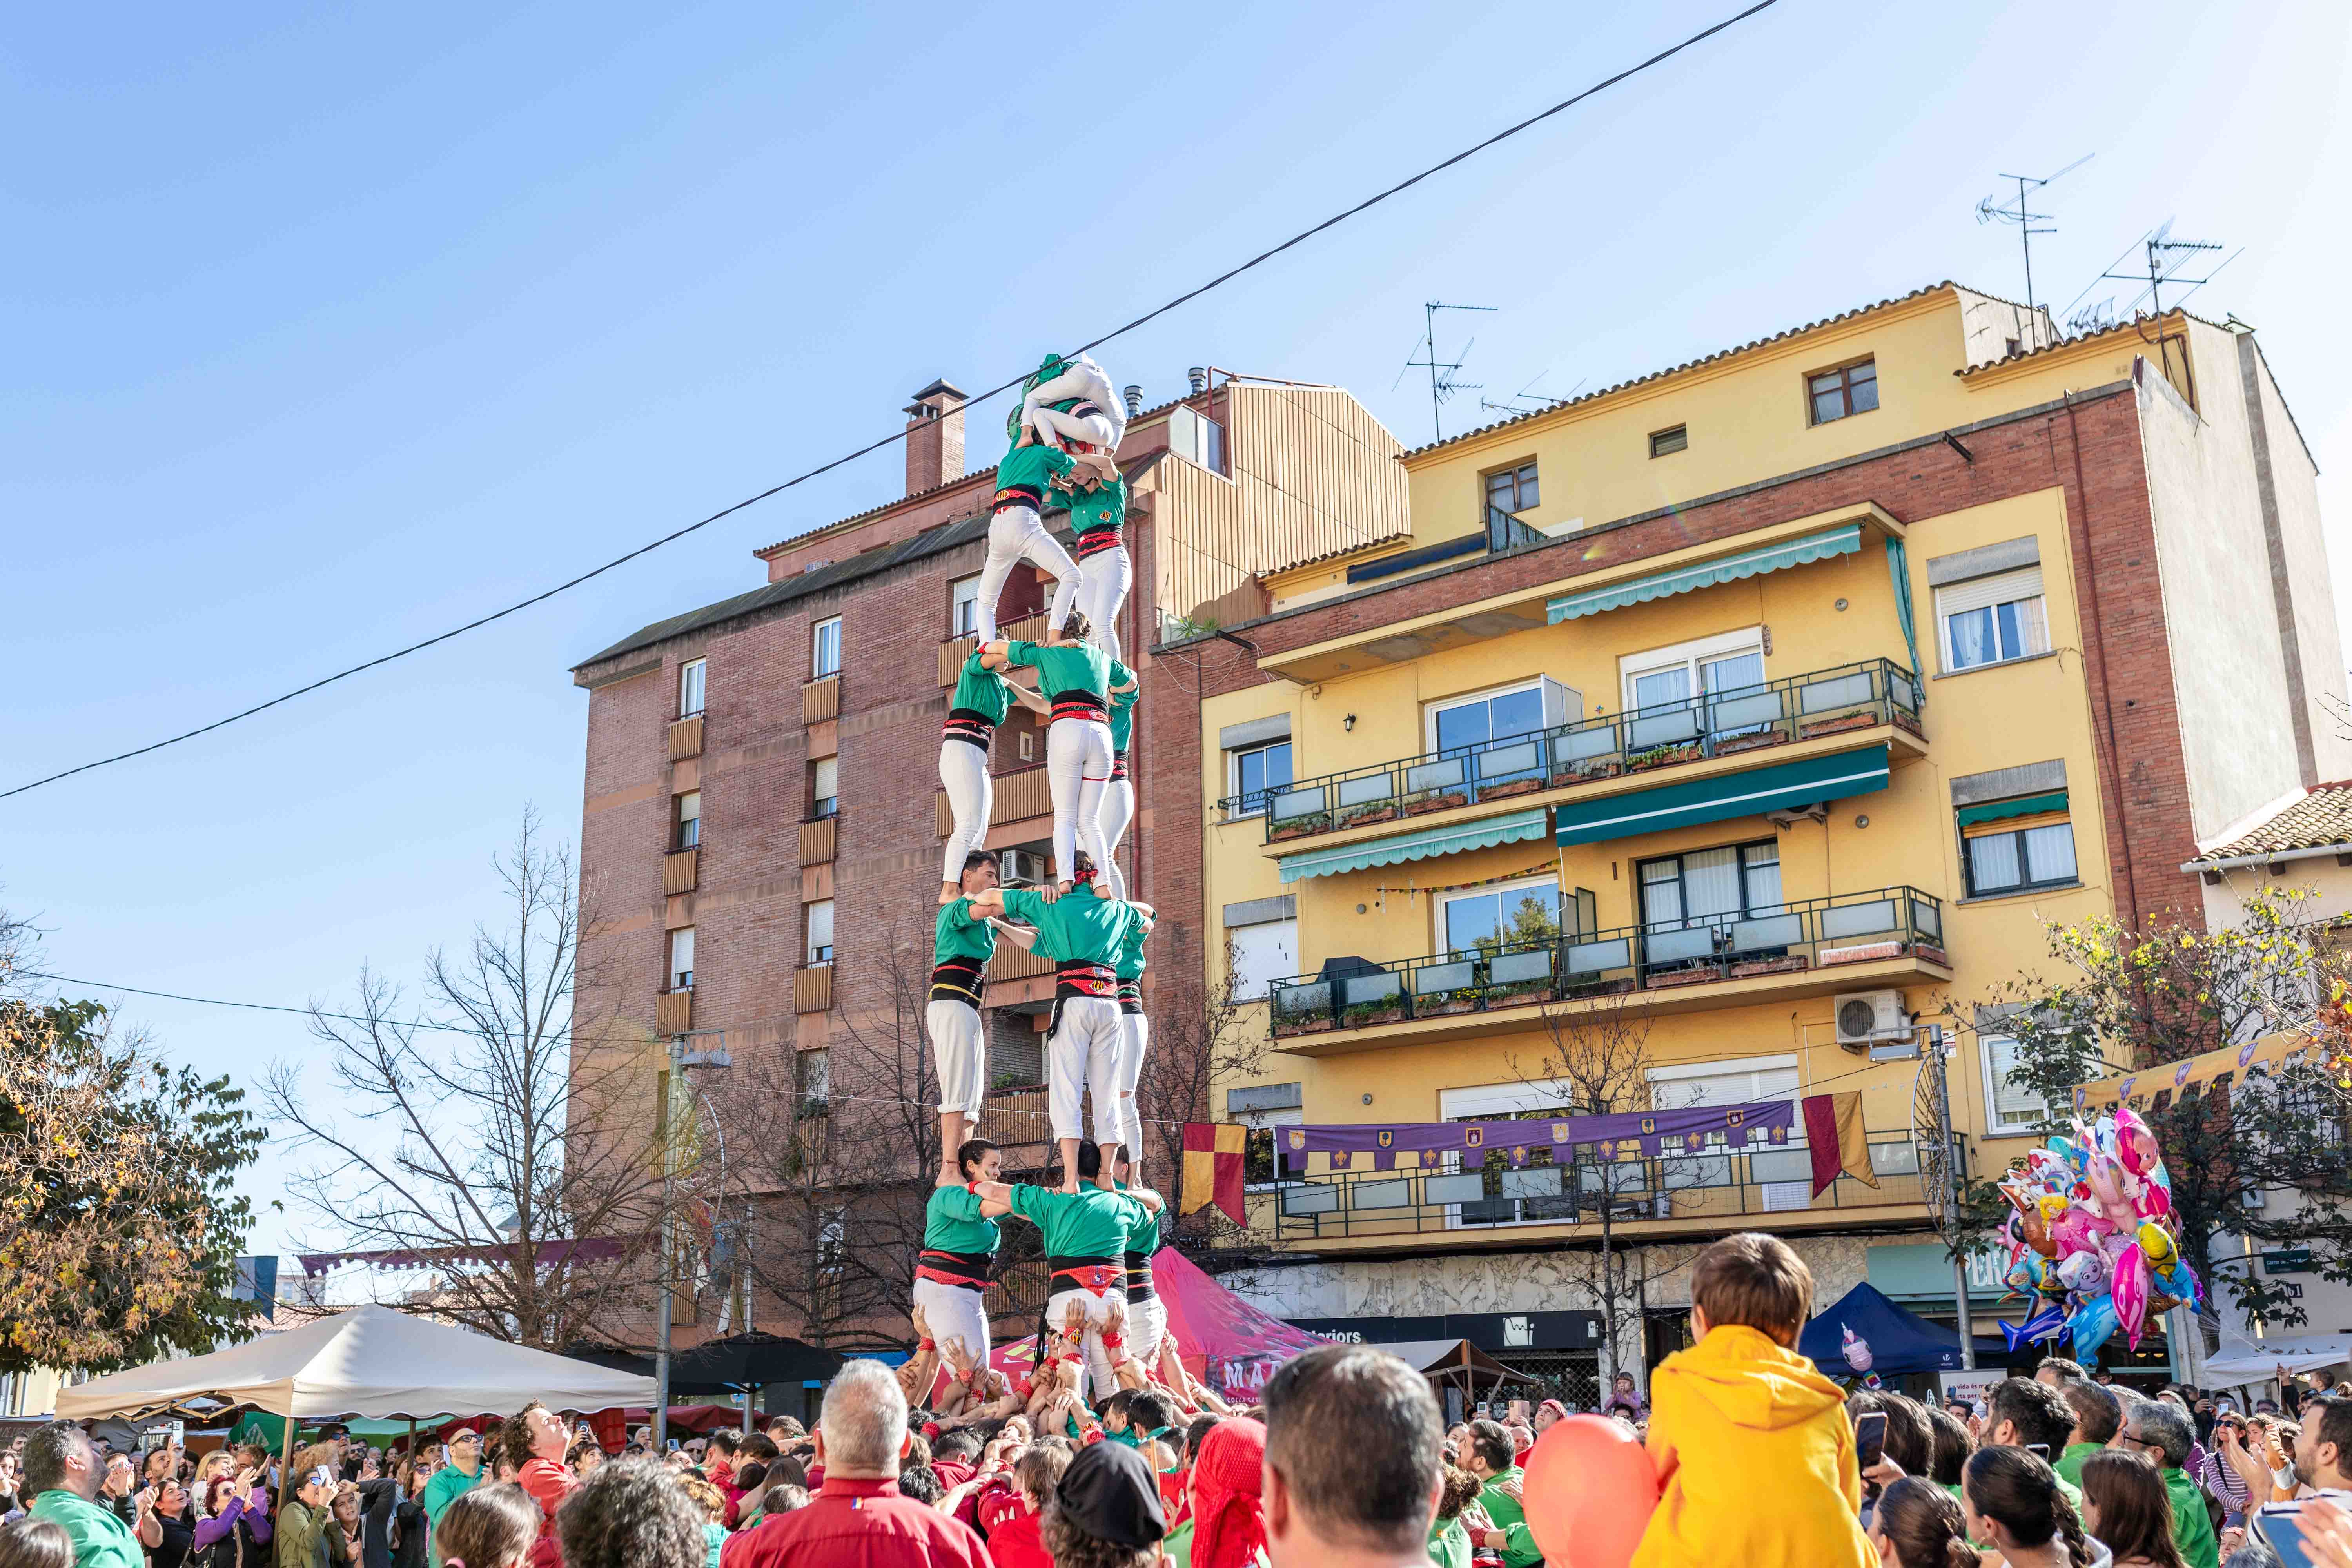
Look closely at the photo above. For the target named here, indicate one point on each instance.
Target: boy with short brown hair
(1741, 1417)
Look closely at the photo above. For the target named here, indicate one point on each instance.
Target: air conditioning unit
(1020, 865)
(1865, 1017)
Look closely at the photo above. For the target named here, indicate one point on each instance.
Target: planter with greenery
(1370, 812)
(1662, 756)
(1443, 1003)
(1364, 1014)
(1731, 744)
(1299, 827)
(1434, 800)
(1862, 719)
(1510, 787)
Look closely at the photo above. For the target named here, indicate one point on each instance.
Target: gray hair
(864, 1420)
(632, 1513)
(2163, 1426)
(49, 1451)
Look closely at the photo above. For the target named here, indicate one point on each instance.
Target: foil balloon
(2178, 1281)
(2105, 1178)
(1857, 1350)
(2155, 1201)
(2091, 1325)
(2129, 1292)
(2136, 1143)
(2078, 1230)
(2156, 1242)
(2069, 1153)
(2036, 1232)
(2084, 1273)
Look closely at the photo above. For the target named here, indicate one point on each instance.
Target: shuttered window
(2011, 1108)
(1989, 620)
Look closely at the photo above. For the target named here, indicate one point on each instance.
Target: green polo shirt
(952, 1222)
(1449, 1542)
(2192, 1527)
(100, 1538)
(959, 933)
(1105, 506)
(1035, 465)
(447, 1486)
(1520, 1548)
(2070, 1463)
(1077, 927)
(981, 691)
(1122, 705)
(1130, 949)
(1066, 666)
(1089, 1223)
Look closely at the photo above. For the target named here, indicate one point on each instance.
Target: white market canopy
(369, 1362)
(2242, 1360)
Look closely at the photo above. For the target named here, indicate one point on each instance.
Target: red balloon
(1588, 1493)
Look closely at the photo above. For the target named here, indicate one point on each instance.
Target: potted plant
(1301, 1021)
(1860, 718)
(1520, 993)
(1589, 769)
(1299, 827)
(1443, 1003)
(1510, 787)
(1370, 811)
(1731, 744)
(1661, 756)
(1365, 1015)
(1787, 963)
(1427, 800)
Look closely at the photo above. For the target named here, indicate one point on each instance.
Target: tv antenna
(1518, 403)
(1991, 209)
(1442, 381)
(2167, 259)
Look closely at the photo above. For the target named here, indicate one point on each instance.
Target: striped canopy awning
(1743, 794)
(1399, 847)
(1844, 540)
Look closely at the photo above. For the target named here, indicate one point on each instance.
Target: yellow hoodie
(1756, 1461)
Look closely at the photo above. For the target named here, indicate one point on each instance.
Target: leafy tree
(119, 1227)
(2262, 1154)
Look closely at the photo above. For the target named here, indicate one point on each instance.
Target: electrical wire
(1187, 297)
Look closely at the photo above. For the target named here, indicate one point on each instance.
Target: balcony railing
(813, 988)
(818, 839)
(955, 651)
(1717, 1183)
(821, 698)
(1012, 962)
(1789, 938)
(1721, 724)
(1011, 1117)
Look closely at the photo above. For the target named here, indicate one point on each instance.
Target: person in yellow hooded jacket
(1755, 1454)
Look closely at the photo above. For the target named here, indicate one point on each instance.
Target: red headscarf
(1228, 1508)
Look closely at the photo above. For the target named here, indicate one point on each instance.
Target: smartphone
(2279, 1526)
(1869, 1438)
(675, 1445)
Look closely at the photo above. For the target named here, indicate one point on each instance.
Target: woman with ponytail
(1917, 1525)
(2125, 1506)
(2011, 1499)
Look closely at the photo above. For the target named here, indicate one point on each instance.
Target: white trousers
(1104, 579)
(1085, 1053)
(1147, 1321)
(1082, 378)
(1015, 534)
(963, 773)
(954, 1313)
(1097, 1311)
(1134, 1038)
(1077, 766)
(1118, 810)
(959, 1047)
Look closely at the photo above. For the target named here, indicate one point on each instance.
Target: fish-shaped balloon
(2130, 1290)
(2091, 1325)
(1857, 1350)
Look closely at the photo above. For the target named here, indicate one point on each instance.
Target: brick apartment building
(762, 832)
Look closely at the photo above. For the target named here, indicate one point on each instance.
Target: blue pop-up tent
(1899, 1340)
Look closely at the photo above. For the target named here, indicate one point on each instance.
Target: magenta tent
(1227, 1343)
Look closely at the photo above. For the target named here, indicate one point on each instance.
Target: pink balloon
(2104, 1186)
(1588, 1492)
(2130, 1291)
(2155, 1202)
(2135, 1143)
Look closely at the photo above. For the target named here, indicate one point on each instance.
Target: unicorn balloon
(1857, 1349)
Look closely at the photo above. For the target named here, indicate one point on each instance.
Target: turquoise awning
(1451, 839)
(2016, 805)
(1845, 541)
(1743, 794)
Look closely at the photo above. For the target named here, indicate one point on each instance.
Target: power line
(1189, 295)
(248, 1007)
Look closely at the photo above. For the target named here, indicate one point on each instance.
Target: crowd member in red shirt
(857, 1519)
(1015, 1541)
(534, 1441)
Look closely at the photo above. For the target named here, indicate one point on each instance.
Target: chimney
(1199, 376)
(934, 438)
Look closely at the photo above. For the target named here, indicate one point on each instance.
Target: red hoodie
(1016, 1543)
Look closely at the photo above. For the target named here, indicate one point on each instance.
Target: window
(825, 786)
(819, 931)
(824, 639)
(1495, 920)
(681, 959)
(1462, 722)
(1851, 389)
(813, 1081)
(689, 688)
(1664, 443)
(1992, 619)
(2011, 1108)
(1197, 438)
(1735, 1082)
(1257, 770)
(1263, 954)
(1663, 678)
(963, 606)
(688, 826)
(1513, 489)
(1711, 887)
(1261, 1162)
(2006, 857)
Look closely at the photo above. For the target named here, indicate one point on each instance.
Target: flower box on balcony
(1446, 1003)
(1867, 953)
(1701, 975)
(1365, 1015)
(1371, 812)
(1862, 721)
(1616, 986)
(1737, 744)
(1662, 757)
(1752, 967)
(1434, 800)
(1303, 1024)
(1521, 993)
(1300, 827)
(1584, 773)
(1510, 787)
(1929, 952)
(1907, 721)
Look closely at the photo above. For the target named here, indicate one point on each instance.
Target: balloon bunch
(2094, 1241)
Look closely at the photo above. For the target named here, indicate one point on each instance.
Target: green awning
(1743, 794)
(1518, 827)
(1754, 563)
(2018, 805)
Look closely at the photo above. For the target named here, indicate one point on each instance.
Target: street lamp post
(681, 1059)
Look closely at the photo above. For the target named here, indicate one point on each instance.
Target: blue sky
(331, 329)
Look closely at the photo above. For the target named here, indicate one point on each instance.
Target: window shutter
(2002, 587)
(1562, 704)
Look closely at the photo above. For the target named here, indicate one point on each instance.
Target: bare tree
(487, 1135)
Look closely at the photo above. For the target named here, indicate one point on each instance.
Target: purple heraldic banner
(1651, 1133)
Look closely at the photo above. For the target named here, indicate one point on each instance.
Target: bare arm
(1021, 937)
(1029, 698)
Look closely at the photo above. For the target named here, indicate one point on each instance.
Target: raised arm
(1021, 937)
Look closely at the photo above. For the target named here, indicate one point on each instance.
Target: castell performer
(1085, 1230)
(962, 944)
(1074, 675)
(1081, 932)
(983, 696)
(959, 1240)
(1119, 795)
(1071, 400)
(1017, 527)
(1147, 1314)
(1134, 1029)
(1097, 505)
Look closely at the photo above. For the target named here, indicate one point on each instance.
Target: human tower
(1098, 1231)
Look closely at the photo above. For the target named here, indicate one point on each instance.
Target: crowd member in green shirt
(960, 1242)
(461, 1474)
(2163, 1432)
(963, 942)
(1449, 1529)
(1494, 1462)
(1081, 932)
(304, 1519)
(1074, 675)
(61, 1473)
(982, 697)
(2023, 1413)
(2098, 1416)
(1085, 1231)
